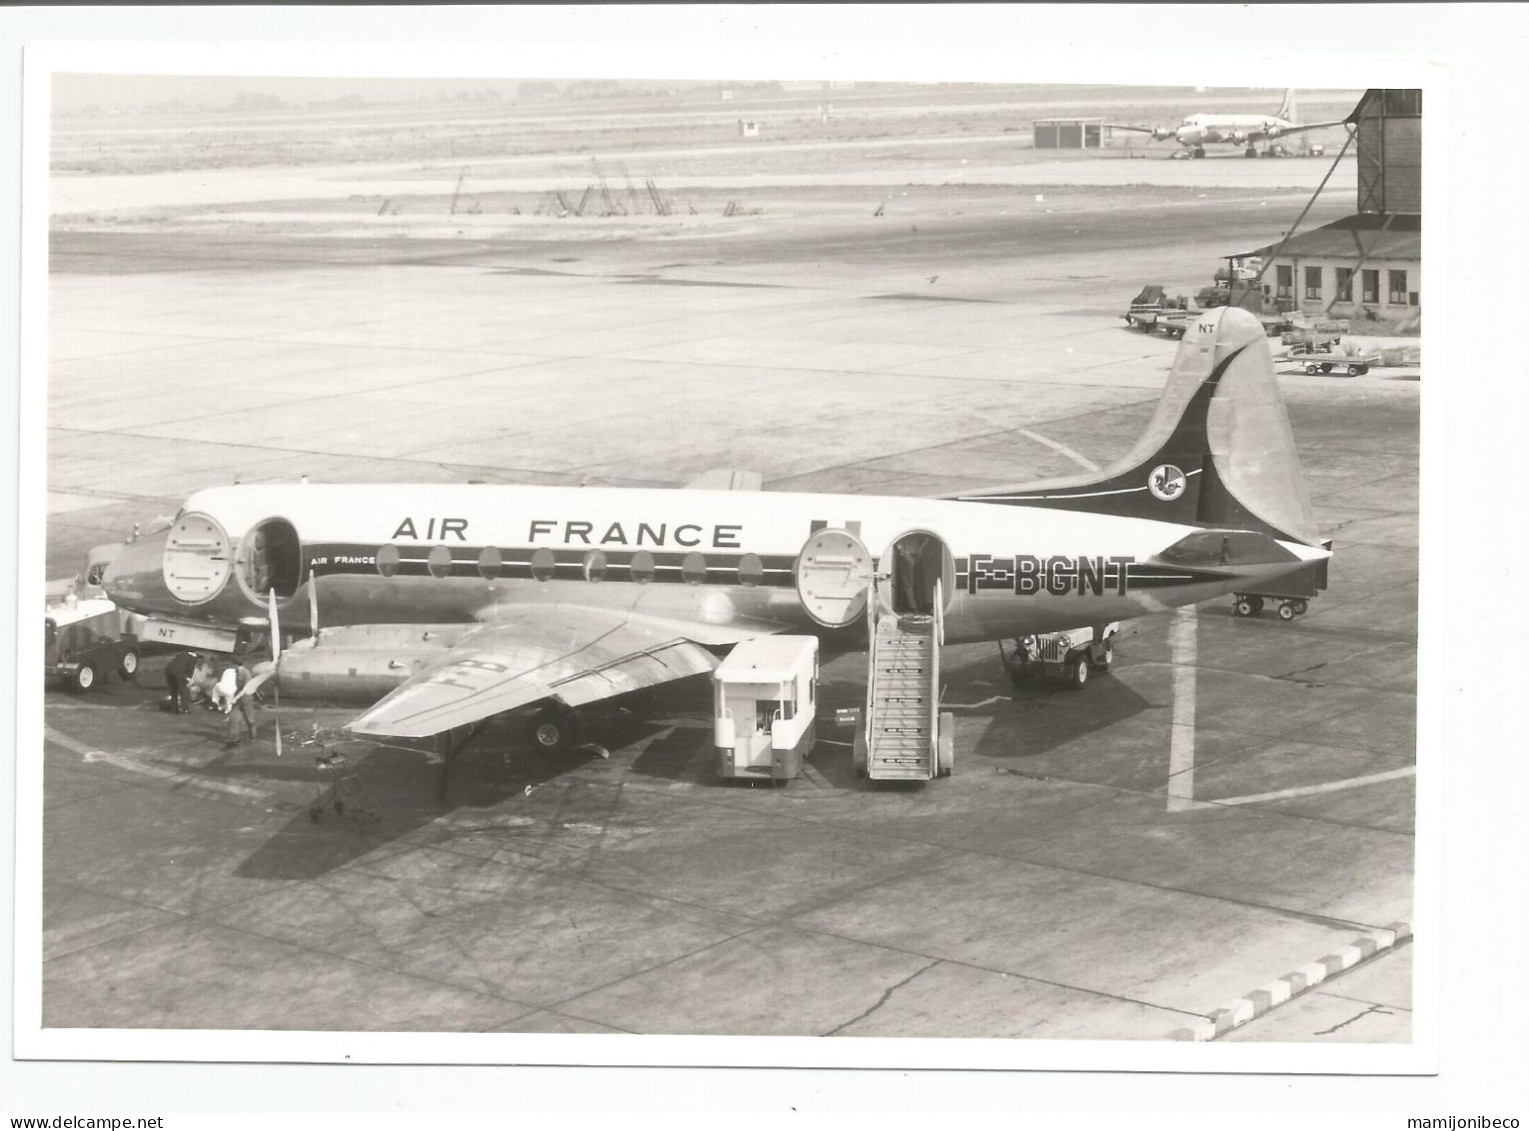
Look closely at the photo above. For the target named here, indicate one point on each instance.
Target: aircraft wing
(576, 655)
(1304, 127)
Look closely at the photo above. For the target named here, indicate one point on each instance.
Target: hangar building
(1071, 133)
(1369, 264)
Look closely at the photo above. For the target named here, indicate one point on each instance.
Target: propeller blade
(256, 682)
(275, 663)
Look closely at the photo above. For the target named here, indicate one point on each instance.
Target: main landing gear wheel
(1250, 152)
(1249, 606)
(1198, 151)
(85, 677)
(127, 667)
(1077, 673)
(553, 730)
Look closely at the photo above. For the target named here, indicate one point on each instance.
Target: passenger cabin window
(642, 567)
(387, 560)
(439, 562)
(490, 563)
(543, 564)
(693, 568)
(750, 570)
(594, 565)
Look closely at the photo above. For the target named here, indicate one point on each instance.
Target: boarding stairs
(902, 734)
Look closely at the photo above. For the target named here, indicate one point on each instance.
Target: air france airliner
(439, 606)
(1199, 130)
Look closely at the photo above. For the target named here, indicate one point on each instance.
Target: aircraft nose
(135, 578)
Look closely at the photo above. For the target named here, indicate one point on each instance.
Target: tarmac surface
(1075, 878)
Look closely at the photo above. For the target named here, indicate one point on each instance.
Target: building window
(1313, 282)
(1396, 288)
(1345, 283)
(1284, 281)
(1369, 286)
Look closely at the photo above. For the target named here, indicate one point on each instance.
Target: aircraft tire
(553, 730)
(127, 666)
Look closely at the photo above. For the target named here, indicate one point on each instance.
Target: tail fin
(1287, 107)
(1219, 451)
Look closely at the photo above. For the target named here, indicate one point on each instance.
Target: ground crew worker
(241, 707)
(178, 674)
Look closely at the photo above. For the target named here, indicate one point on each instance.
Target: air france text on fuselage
(580, 532)
(1058, 575)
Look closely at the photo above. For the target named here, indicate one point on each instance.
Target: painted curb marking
(1303, 978)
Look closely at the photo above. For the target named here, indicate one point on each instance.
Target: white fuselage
(723, 562)
(1237, 129)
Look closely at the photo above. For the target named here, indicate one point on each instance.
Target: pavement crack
(1351, 1020)
(881, 1001)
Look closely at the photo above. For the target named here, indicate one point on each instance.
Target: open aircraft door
(833, 577)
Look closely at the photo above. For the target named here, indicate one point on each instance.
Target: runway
(1234, 801)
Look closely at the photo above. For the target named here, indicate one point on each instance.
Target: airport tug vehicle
(766, 694)
(1069, 656)
(84, 643)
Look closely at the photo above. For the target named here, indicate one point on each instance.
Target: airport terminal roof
(1369, 235)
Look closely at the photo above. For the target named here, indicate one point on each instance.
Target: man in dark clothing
(178, 675)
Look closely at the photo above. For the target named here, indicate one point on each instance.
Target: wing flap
(577, 655)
